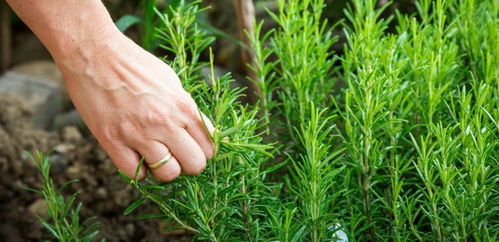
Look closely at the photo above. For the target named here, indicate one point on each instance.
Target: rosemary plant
(224, 202)
(414, 83)
(302, 44)
(64, 224)
(406, 149)
(414, 155)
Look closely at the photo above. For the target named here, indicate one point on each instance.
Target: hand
(131, 101)
(135, 106)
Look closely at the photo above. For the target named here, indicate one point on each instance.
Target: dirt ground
(75, 155)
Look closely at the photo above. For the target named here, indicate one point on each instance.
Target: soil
(74, 155)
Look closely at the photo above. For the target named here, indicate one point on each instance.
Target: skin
(131, 101)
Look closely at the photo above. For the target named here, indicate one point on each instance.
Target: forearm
(67, 27)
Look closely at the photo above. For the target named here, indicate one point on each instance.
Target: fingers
(202, 135)
(189, 154)
(153, 152)
(189, 142)
(126, 160)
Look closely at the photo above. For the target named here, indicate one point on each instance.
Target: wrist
(83, 43)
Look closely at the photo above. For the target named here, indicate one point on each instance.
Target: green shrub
(395, 139)
(405, 150)
(64, 222)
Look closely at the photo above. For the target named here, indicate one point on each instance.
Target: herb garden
(393, 138)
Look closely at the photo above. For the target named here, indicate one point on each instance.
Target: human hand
(131, 101)
(134, 104)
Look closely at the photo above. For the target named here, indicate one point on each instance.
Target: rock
(58, 163)
(122, 197)
(73, 172)
(14, 110)
(71, 118)
(64, 148)
(44, 69)
(130, 228)
(39, 208)
(17, 136)
(86, 148)
(101, 192)
(71, 134)
(40, 86)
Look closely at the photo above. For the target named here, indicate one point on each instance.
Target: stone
(39, 208)
(71, 118)
(101, 192)
(58, 163)
(71, 134)
(64, 148)
(40, 85)
(73, 172)
(130, 228)
(44, 69)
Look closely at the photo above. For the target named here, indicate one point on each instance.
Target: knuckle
(182, 103)
(155, 114)
(163, 120)
(108, 134)
(131, 133)
(125, 127)
(186, 105)
(159, 118)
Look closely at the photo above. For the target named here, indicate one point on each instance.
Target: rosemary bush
(64, 223)
(395, 139)
(414, 156)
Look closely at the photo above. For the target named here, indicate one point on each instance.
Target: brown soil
(74, 155)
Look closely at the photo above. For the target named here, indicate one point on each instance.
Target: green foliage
(126, 22)
(64, 224)
(405, 149)
(145, 21)
(224, 202)
(420, 127)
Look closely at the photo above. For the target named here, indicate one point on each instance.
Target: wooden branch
(245, 14)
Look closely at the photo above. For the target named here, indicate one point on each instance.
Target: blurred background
(36, 114)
